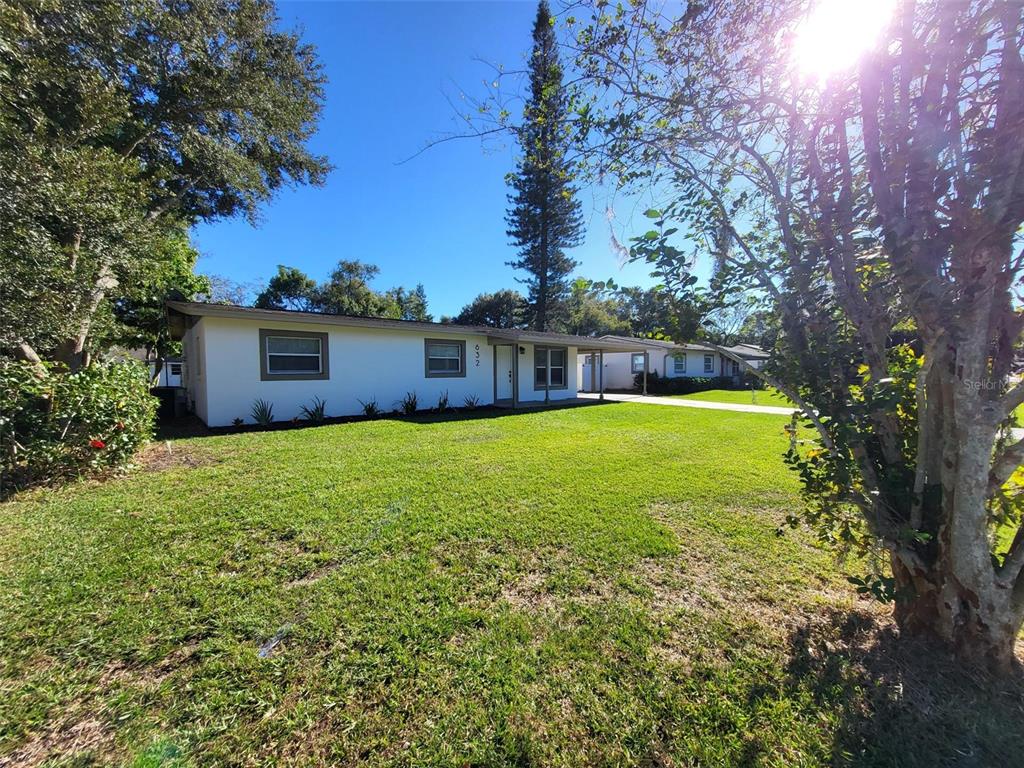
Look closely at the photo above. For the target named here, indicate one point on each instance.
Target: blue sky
(436, 219)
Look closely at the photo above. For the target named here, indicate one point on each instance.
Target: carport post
(515, 375)
(601, 356)
(646, 353)
(593, 372)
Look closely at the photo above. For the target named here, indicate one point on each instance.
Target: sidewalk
(652, 400)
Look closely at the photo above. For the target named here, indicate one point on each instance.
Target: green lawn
(740, 396)
(600, 585)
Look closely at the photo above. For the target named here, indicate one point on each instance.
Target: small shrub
(471, 402)
(238, 421)
(315, 413)
(370, 408)
(263, 413)
(408, 404)
(442, 402)
(56, 425)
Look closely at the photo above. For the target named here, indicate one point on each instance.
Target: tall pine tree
(545, 217)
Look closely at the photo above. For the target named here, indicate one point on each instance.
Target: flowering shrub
(56, 425)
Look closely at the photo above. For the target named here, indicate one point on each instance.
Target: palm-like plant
(315, 413)
(263, 413)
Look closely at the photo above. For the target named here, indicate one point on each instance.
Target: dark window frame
(460, 374)
(709, 363)
(565, 367)
(679, 357)
(267, 375)
(632, 362)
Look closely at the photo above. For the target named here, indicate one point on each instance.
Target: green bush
(683, 385)
(56, 425)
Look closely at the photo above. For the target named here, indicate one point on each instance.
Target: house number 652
(476, 355)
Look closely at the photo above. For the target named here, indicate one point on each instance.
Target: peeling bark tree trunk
(72, 352)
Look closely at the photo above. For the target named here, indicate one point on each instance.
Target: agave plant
(316, 413)
(471, 402)
(263, 413)
(370, 408)
(408, 404)
(442, 402)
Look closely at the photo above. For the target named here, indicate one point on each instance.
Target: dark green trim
(325, 370)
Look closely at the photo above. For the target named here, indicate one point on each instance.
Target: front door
(503, 371)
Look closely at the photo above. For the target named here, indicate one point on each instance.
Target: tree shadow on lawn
(188, 427)
(903, 703)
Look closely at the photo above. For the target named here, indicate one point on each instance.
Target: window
(709, 363)
(558, 357)
(735, 368)
(295, 355)
(638, 362)
(175, 369)
(679, 364)
(444, 358)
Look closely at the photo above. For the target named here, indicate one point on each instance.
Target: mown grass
(740, 397)
(601, 585)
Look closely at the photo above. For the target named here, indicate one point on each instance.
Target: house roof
(178, 310)
(658, 344)
(746, 351)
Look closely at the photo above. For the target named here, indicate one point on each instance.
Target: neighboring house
(170, 372)
(170, 367)
(233, 356)
(667, 359)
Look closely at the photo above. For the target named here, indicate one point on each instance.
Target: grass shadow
(903, 703)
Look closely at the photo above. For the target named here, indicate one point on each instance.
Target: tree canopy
(346, 292)
(121, 122)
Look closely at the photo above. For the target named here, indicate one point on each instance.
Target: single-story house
(667, 359)
(233, 356)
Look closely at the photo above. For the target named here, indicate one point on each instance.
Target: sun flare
(836, 33)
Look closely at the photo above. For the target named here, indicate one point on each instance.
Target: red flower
(97, 444)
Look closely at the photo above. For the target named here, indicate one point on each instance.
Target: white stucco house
(667, 359)
(233, 356)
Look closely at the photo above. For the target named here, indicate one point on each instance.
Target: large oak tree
(122, 122)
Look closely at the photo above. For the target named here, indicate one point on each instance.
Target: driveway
(679, 403)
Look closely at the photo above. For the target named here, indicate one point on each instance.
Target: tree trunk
(71, 352)
(935, 606)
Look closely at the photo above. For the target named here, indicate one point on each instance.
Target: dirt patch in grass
(80, 737)
(161, 456)
(120, 672)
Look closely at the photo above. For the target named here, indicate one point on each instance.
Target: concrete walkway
(652, 400)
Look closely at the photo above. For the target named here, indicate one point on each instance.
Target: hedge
(686, 385)
(56, 425)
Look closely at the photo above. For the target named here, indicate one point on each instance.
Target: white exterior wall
(618, 370)
(619, 374)
(363, 364)
(694, 365)
(527, 393)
